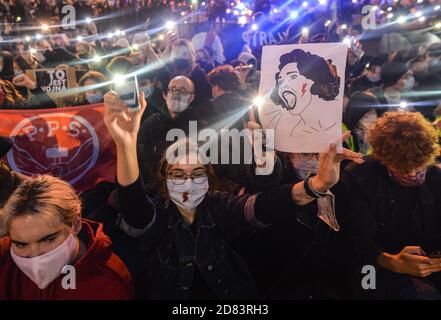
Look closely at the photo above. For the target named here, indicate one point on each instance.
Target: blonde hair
(43, 195)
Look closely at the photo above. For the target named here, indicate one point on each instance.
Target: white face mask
(187, 195)
(177, 103)
(44, 269)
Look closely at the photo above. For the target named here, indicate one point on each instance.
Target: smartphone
(127, 90)
(435, 254)
(244, 67)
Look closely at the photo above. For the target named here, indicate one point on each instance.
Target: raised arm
(328, 173)
(123, 126)
(138, 210)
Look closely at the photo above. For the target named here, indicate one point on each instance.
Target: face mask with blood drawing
(187, 195)
(294, 89)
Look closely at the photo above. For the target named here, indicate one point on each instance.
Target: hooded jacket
(100, 274)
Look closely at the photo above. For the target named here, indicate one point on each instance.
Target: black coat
(152, 138)
(174, 251)
(373, 219)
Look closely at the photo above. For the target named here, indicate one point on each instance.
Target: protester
(43, 233)
(361, 112)
(372, 77)
(96, 86)
(392, 204)
(179, 112)
(225, 90)
(183, 62)
(198, 64)
(6, 65)
(204, 273)
(398, 82)
(209, 40)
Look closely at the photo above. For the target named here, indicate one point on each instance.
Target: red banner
(70, 143)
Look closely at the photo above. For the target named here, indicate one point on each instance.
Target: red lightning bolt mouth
(185, 197)
(304, 89)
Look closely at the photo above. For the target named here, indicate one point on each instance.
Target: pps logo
(60, 144)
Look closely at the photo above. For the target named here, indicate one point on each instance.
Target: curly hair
(313, 67)
(225, 77)
(404, 141)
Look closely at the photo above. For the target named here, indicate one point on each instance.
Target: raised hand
(122, 122)
(23, 80)
(329, 166)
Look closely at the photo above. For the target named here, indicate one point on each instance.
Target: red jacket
(100, 274)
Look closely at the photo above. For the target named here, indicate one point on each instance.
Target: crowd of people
(197, 231)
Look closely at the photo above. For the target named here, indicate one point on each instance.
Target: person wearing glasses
(152, 135)
(187, 231)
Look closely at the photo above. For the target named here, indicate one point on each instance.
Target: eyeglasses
(182, 91)
(179, 178)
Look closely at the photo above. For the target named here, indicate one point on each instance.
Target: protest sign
(302, 90)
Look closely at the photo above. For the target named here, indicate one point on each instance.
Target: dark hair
(93, 75)
(377, 62)
(96, 76)
(121, 65)
(324, 74)
(147, 75)
(22, 63)
(359, 104)
(434, 50)
(391, 72)
(225, 77)
(8, 71)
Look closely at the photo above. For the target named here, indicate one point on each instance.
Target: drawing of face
(294, 89)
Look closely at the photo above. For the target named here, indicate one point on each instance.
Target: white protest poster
(301, 87)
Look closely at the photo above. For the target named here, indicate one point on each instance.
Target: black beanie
(5, 146)
(391, 72)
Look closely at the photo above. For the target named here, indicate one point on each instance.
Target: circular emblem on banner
(60, 144)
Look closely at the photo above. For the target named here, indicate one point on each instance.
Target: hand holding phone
(127, 90)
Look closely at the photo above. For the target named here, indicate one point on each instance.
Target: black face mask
(182, 63)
